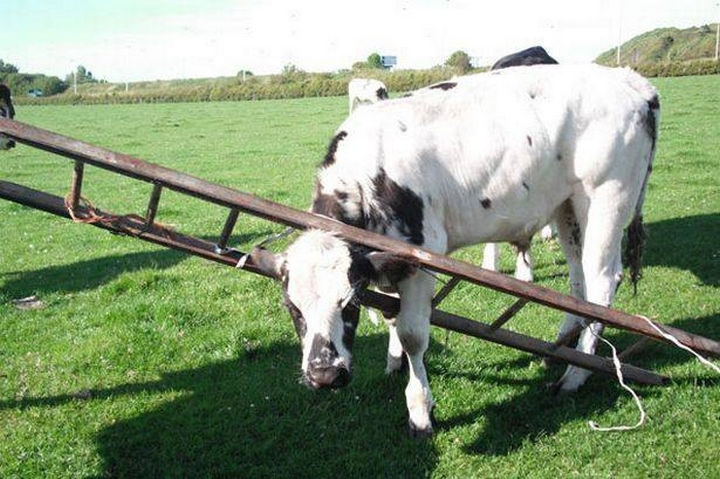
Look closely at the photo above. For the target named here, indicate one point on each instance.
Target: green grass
(148, 363)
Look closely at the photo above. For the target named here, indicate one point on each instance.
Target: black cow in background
(6, 111)
(530, 56)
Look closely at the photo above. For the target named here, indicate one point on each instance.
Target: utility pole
(717, 36)
(619, 40)
(75, 81)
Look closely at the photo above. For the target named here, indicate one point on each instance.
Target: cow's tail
(636, 236)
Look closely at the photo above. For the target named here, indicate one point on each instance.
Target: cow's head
(321, 275)
(6, 111)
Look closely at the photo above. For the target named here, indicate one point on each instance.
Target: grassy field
(148, 363)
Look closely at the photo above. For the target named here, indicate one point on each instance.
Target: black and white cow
(491, 254)
(364, 91)
(489, 157)
(527, 57)
(6, 111)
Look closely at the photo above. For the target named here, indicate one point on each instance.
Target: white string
(270, 239)
(274, 237)
(616, 361)
(677, 343)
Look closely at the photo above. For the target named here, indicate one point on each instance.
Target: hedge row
(294, 85)
(678, 69)
(299, 84)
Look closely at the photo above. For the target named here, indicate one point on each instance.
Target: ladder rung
(76, 187)
(153, 204)
(442, 294)
(221, 246)
(508, 314)
(634, 348)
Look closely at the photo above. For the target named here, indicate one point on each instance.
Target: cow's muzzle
(333, 377)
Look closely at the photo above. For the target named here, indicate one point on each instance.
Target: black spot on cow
(575, 236)
(326, 205)
(295, 314)
(529, 140)
(361, 271)
(382, 94)
(559, 157)
(350, 318)
(407, 95)
(323, 349)
(400, 205)
(526, 186)
(331, 206)
(332, 148)
(486, 203)
(444, 86)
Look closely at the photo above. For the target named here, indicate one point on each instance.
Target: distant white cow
(488, 158)
(365, 91)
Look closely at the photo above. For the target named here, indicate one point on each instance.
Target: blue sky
(131, 40)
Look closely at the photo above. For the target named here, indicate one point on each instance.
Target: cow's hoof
(559, 390)
(419, 433)
(396, 364)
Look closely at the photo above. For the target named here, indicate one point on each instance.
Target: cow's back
(492, 155)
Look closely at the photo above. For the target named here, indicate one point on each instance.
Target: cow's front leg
(413, 329)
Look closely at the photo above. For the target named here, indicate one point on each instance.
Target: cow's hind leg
(570, 236)
(413, 329)
(601, 240)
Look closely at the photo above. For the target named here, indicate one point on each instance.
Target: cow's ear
(270, 263)
(390, 266)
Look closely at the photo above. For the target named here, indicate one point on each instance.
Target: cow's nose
(328, 376)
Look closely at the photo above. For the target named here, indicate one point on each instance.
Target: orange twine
(94, 215)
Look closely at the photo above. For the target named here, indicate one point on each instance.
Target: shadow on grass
(250, 417)
(534, 413)
(689, 243)
(85, 275)
(89, 274)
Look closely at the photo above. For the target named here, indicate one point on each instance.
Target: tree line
(38, 84)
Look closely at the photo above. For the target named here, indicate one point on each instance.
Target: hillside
(664, 45)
